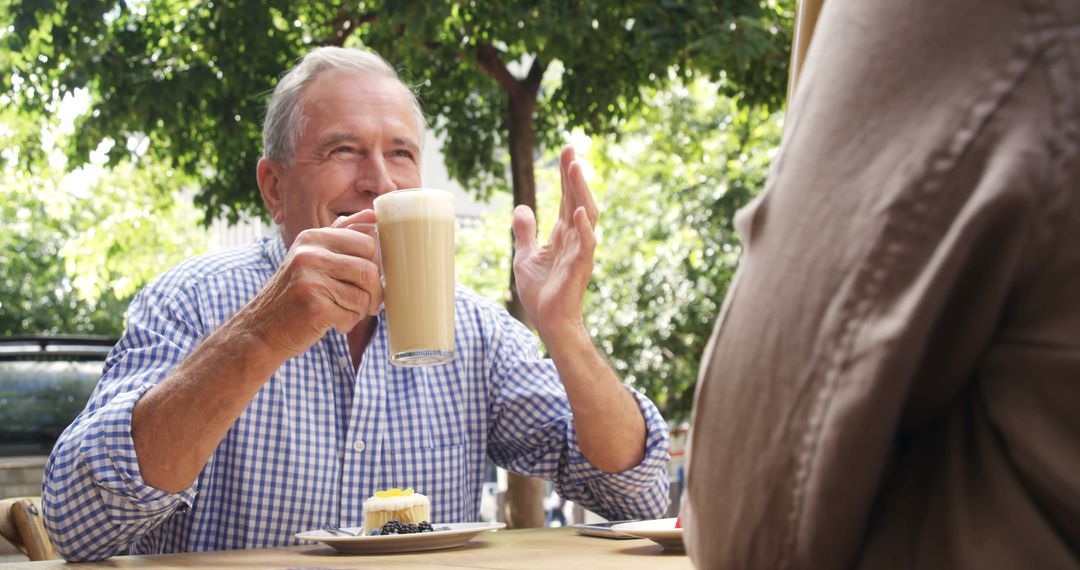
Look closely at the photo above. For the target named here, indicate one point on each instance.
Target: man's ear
(269, 173)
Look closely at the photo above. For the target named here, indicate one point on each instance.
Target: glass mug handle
(372, 230)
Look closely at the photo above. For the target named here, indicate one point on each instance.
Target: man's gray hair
(284, 115)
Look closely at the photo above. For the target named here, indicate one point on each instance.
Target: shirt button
(358, 445)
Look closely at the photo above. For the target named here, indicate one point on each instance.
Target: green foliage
(667, 189)
(673, 183)
(193, 75)
(75, 248)
(153, 68)
(482, 259)
(36, 292)
(135, 224)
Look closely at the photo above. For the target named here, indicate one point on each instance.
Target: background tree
(501, 78)
(667, 187)
(673, 181)
(37, 295)
(75, 247)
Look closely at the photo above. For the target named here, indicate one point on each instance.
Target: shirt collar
(274, 250)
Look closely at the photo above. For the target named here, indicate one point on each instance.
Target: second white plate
(602, 530)
(660, 531)
(458, 535)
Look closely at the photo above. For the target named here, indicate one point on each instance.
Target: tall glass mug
(416, 241)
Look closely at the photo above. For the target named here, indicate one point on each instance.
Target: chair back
(22, 526)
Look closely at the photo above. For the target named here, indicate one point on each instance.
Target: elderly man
(251, 396)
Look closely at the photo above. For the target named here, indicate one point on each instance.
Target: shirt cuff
(647, 475)
(109, 454)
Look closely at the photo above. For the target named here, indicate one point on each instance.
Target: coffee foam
(414, 203)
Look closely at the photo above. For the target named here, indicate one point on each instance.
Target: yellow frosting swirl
(395, 492)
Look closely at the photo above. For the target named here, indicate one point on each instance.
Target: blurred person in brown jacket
(894, 380)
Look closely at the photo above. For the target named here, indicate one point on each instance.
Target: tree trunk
(522, 175)
(524, 501)
(525, 495)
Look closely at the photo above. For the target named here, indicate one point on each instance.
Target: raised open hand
(551, 279)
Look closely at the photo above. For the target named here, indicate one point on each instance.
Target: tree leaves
(668, 187)
(194, 75)
(75, 248)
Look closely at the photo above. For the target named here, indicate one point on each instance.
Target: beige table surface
(552, 548)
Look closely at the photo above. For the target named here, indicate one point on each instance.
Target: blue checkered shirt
(319, 438)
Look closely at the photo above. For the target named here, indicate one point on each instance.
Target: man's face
(359, 139)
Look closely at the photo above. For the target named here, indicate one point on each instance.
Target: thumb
(524, 230)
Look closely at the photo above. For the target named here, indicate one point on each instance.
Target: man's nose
(374, 175)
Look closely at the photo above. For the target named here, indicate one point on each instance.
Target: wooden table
(549, 548)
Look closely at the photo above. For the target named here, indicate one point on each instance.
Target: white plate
(458, 535)
(660, 531)
(602, 530)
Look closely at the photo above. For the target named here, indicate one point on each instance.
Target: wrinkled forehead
(338, 93)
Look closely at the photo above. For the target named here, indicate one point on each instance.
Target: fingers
(358, 295)
(575, 190)
(524, 231)
(354, 242)
(302, 294)
(353, 282)
(586, 236)
(341, 262)
(361, 217)
(351, 301)
(566, 207)
(335, 294)
(583, 198)
(360, 274)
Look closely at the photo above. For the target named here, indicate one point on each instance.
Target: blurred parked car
(45, 381)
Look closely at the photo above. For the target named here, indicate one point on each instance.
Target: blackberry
(391, 527)
(409, 528)
(424, 526)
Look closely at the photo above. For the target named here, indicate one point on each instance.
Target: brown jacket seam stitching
(888, 253)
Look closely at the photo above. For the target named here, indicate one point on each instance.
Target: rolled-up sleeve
(95, 502)
(533, 434)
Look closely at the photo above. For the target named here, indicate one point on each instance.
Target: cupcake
(395, 505)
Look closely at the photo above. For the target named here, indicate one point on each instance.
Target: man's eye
(343, 150)
(404, 153)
